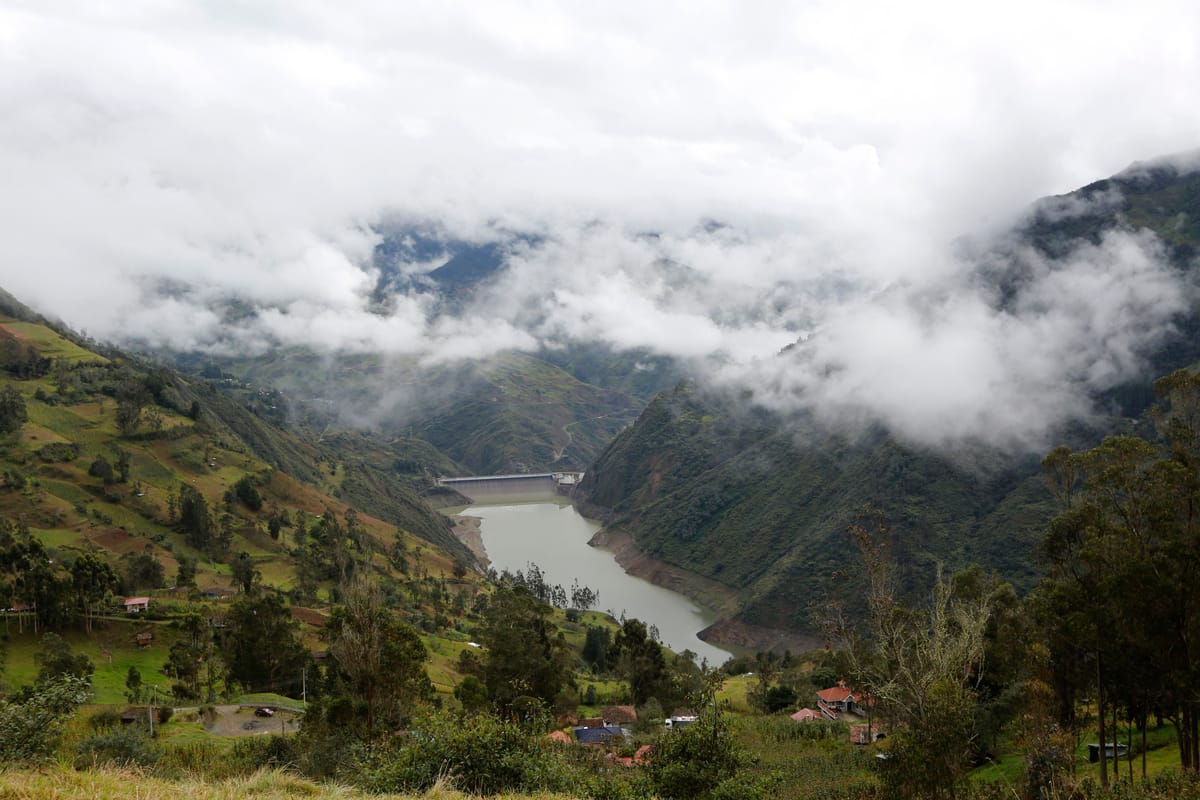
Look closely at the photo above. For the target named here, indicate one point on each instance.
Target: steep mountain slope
(514, 413)
(128, 459)
(756, 507)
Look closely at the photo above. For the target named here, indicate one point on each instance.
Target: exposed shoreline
(727, 631)
(467, 530)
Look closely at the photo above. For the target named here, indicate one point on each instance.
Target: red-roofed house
(134, 605)
(807, 714)
(841, 699)
(560, 737)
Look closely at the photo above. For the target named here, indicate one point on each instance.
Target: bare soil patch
(234, 720)
(466, 530)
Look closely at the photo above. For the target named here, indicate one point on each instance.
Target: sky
(709, 180)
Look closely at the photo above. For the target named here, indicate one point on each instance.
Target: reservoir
(549, 532)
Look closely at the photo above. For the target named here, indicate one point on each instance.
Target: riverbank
(467, 530)
(728, 631)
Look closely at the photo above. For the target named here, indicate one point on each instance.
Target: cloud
(162, 159)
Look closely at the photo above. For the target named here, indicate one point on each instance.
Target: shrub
(694, 761)
(479, 754)
(125, 747)
(104, 720)
(30, 730)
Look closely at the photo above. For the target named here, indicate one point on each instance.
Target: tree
(12, 410)
(1125, 558)
(640, 661)
(244, 572)
(920, 667)
(143, 570)
(92, 579)
(260, 645)
(246, 492)
(133, 685)
(694, 761)
(57, 659)
(186, 574)
(100, 468)
(524, 655)
(191, 659)
(380, 659)
(193, 517)
(596, 645)
(472, 694)
(30, 730)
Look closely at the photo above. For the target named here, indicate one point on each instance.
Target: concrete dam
(482, 487)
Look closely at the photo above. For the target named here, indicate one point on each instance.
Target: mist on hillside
(775, 200)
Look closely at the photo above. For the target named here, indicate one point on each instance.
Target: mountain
(748, 511)
(512, 413)
(114, 450)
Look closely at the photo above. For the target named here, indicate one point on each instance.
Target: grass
(63, 783)
(108, 681)
(48, 343)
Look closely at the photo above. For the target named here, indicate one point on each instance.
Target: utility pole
(153, 703)
(304, 686)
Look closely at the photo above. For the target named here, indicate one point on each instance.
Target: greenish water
(549, 532)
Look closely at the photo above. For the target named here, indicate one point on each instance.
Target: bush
(479, 754)
(126, 747)
(104, 720)
(164, 714)
(695, 761)
(30, 730)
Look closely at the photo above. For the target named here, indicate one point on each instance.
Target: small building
(603, 735)
(559, 736)
(677, 721)
(618, 715)
(144, 639)
(839, 700)
(136, 605)
(807, 715)
(1111, 751)
(863, 733)
(591, 722)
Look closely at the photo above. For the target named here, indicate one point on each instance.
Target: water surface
(552, 534)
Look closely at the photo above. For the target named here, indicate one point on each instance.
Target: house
(807, 715)
(863, 733)
(640, 757)
(591, 722)
(679, 721)
(618, 715)
(1111, 751)
(559, 737)
(144, 639)
(602, 735)
(136, 605)
(840, 700)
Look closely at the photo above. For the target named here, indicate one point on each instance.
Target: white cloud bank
(159, 158)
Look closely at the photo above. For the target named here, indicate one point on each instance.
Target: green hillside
(512, 413)
(108, 445)
(761, 504)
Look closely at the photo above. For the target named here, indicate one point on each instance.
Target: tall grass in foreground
(120, 784)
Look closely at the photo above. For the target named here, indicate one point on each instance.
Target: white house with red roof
(136, 605)
(838, 701)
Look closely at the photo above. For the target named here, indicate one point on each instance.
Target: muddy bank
(466, 530)
(708, 593)
(735, 633)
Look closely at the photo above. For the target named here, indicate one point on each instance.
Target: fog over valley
(818, 205)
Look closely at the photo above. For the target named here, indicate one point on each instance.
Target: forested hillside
(760, 502)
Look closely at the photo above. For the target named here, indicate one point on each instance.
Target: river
(549, 532)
